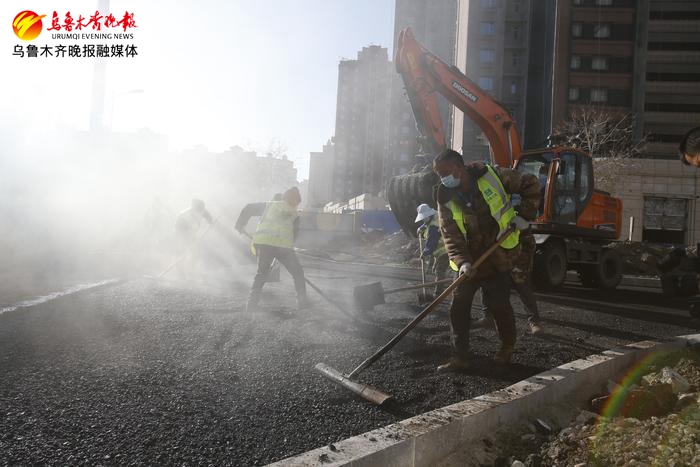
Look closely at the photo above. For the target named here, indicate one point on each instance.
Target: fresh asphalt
(145, 372)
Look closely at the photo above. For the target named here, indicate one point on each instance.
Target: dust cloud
(85, 206)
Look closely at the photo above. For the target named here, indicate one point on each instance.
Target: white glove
(520, 223)
(467, 269)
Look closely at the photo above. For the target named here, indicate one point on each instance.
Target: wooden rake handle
(430, 308)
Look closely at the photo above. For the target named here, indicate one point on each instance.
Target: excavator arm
(425, 75)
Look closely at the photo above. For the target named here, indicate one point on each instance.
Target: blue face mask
(450, 181)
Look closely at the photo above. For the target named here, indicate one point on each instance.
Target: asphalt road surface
(147, 371)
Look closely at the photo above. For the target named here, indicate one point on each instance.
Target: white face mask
(450, 181)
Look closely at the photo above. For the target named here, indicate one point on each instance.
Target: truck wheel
(669, 286)
(688, 285)
(608, 270)
(586, 274)
(695, 310)
(550, 266)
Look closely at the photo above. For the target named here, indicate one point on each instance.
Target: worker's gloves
(520, 223)
(468, 270)
(421, 229)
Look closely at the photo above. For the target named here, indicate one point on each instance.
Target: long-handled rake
(375, 395)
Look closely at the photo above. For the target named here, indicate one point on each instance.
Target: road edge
(428, 438)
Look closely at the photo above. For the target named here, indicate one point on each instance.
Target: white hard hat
(424, 211)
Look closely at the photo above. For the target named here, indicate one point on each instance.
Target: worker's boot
(504, 355)
(487, 322)
(455, 363)
(535, 327)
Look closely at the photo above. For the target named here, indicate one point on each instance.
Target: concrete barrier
(431, 438)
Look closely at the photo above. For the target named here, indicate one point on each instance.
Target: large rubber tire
(608, 271)
(550, 266)
(586, 274)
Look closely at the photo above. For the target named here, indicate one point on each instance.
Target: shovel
(423, 296)
(311, 284)
(187, 250)
(366, 296)
(375, 395)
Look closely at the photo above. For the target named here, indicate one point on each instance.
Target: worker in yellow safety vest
(274, 239)
(474, 205)
(433, 251)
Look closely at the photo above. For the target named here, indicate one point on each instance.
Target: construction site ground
(146, 371)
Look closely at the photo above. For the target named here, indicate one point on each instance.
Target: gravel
(670, 438)
(150, 372)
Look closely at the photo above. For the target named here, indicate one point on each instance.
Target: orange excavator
(575, 221)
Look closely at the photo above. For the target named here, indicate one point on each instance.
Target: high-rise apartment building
(594, 56)
(362, 123)
(320, 189)
(492, 50)
(667, 81)
(433, 23)
(639, 57)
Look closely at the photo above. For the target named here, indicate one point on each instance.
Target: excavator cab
(564, 200)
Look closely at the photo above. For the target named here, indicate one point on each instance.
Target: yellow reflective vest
(276, 227)
(501, 210)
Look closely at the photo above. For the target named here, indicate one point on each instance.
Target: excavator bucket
(406, 192)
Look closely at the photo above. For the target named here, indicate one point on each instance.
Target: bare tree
(276, 148)
(608, 137)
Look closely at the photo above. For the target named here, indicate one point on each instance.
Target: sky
(251, 73)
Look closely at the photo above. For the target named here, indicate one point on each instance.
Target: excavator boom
(425, 75)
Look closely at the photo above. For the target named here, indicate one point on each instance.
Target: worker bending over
(274, 239)
(187, 227)
(474, 208)
(433, 247)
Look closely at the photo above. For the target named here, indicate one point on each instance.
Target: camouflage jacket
(482, 229)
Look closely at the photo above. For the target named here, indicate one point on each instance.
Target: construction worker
(520, 280)
(474, 208)
(274, 239)
(433, 247)
(187, 227)
(689, 149)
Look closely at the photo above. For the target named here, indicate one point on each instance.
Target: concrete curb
(431, 437)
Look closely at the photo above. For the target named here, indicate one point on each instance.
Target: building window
(516, 59)
(575, 62)
(574, 94)
(486, 83)
(601, 31)
(488, 28)
(599, 63)
(488, 3)
(513, 87)
(603, 2)
(599, 95)
(517, 6)
(516, 33)
(487, 55)
(576, 30)
(578, 2)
